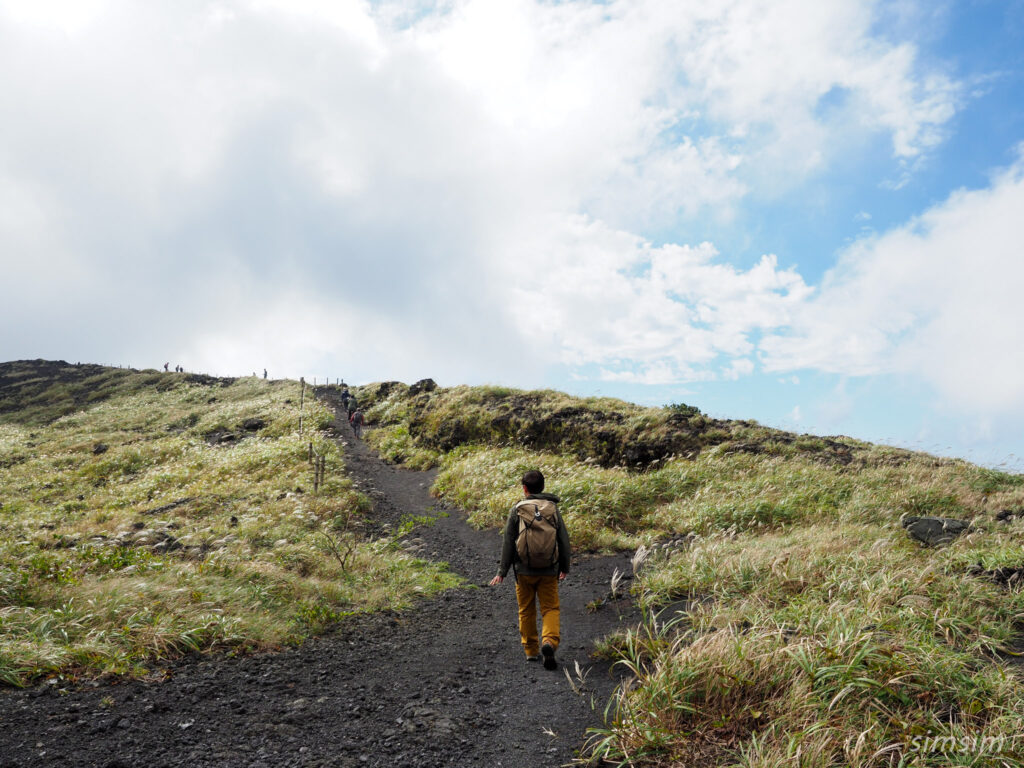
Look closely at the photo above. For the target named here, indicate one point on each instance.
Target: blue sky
(805, 213)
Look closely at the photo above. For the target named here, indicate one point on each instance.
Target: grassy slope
(126, 537)
(820, 634)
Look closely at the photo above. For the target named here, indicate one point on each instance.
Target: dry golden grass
(127, 537)
(818, 633)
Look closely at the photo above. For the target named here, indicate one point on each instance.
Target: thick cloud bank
(401, 189)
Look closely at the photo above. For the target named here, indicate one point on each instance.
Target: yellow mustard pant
(530, 590)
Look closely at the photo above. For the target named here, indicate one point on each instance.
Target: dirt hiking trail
(442, 684)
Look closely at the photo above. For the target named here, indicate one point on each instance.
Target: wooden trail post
(302, 398)
(319, 467)
(319, 464)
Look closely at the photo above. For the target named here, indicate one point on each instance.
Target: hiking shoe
(533, 657)
(549, 657)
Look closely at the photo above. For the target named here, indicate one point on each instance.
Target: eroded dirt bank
(442, 684)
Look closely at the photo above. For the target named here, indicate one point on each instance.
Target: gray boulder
(933, 531)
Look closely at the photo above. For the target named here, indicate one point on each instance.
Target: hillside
(41, 391)
(807, 600)
(819, 630)
(604, 431)
(148, 515)
(393, 668)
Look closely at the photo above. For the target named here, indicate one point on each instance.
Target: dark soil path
(442, 684)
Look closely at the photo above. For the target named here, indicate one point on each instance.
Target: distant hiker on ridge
(264, 373)
(536, 547)
(166, 369)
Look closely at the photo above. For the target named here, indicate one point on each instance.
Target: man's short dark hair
(534, 481)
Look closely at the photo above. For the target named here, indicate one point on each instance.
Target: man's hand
(561, 576)
(497, 580)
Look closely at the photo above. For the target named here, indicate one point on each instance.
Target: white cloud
(353, 18)
(739, 368)
(638, 112)
(647, 314)
(465, 178)
(938, 298)
(655, 374)
(770, 63)
(333, 341)
(72, 17)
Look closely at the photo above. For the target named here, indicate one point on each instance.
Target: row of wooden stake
(318, 462)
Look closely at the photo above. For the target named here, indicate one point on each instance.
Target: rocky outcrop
(933, 531)
(423, 385)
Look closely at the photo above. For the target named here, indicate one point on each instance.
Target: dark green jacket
(509, 556)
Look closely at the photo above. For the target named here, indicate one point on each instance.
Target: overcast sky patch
(570, 194)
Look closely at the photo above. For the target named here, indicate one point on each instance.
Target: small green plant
(313, 616)
(409, 523)
(115, 558)
(51, 568)
(683, 410)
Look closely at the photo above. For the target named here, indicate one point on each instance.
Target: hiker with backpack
(536, 547)
(356, 420)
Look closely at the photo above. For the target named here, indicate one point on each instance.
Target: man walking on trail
(536, 546)
(356, 420)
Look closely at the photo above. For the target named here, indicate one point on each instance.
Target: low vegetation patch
(425, 421)
(817, 633)
(828, 644)
(129, 536)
